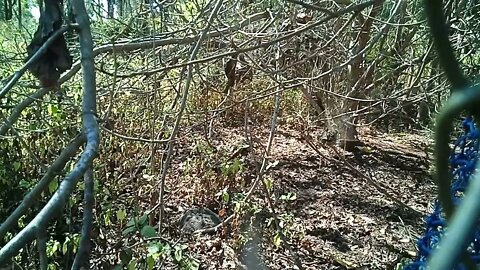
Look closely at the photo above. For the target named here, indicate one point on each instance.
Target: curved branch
(59, 199)
(146, 44)
(154, 43)
(459, 220)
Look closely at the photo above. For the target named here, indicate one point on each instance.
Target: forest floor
(340, 210)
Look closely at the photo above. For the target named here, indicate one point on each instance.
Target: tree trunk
(110, 8)
(120, 8)
(346, 123)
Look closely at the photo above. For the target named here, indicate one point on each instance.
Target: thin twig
(183, 104)
(268, 197)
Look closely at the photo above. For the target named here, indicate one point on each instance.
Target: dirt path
(334, 216)
(348, 223)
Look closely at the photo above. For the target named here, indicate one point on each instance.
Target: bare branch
(42, 248)
(310, 6)
(163, 42)
(130, 46)
(60, 197)
(81, 259)
(183, 104)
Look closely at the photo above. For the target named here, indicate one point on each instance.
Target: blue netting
(462, 161)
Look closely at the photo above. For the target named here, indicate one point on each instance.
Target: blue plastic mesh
(462, 161)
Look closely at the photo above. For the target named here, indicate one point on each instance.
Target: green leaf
(106, 218)
(224, 169)
(76, 242)
(225, 197)
(178, 254)
(132, 265)
(53, 186)
(55, 247)
(154, 248)
(52, 109)
(268, 183)
(237, 165)
(65, 247)
(126, 256)
(21, 221)
(131, 223)
(129, 230)
(150, 262)
(118, 267)
(167, 249)
(277, 240)
(121, 214)
(148, 231)
(143, 220)
(16, 166)
(24, 183)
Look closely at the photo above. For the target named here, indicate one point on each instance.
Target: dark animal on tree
(57, 59)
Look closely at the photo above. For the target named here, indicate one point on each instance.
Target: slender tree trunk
(119, 4)
(110, 8)
(346, 124)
